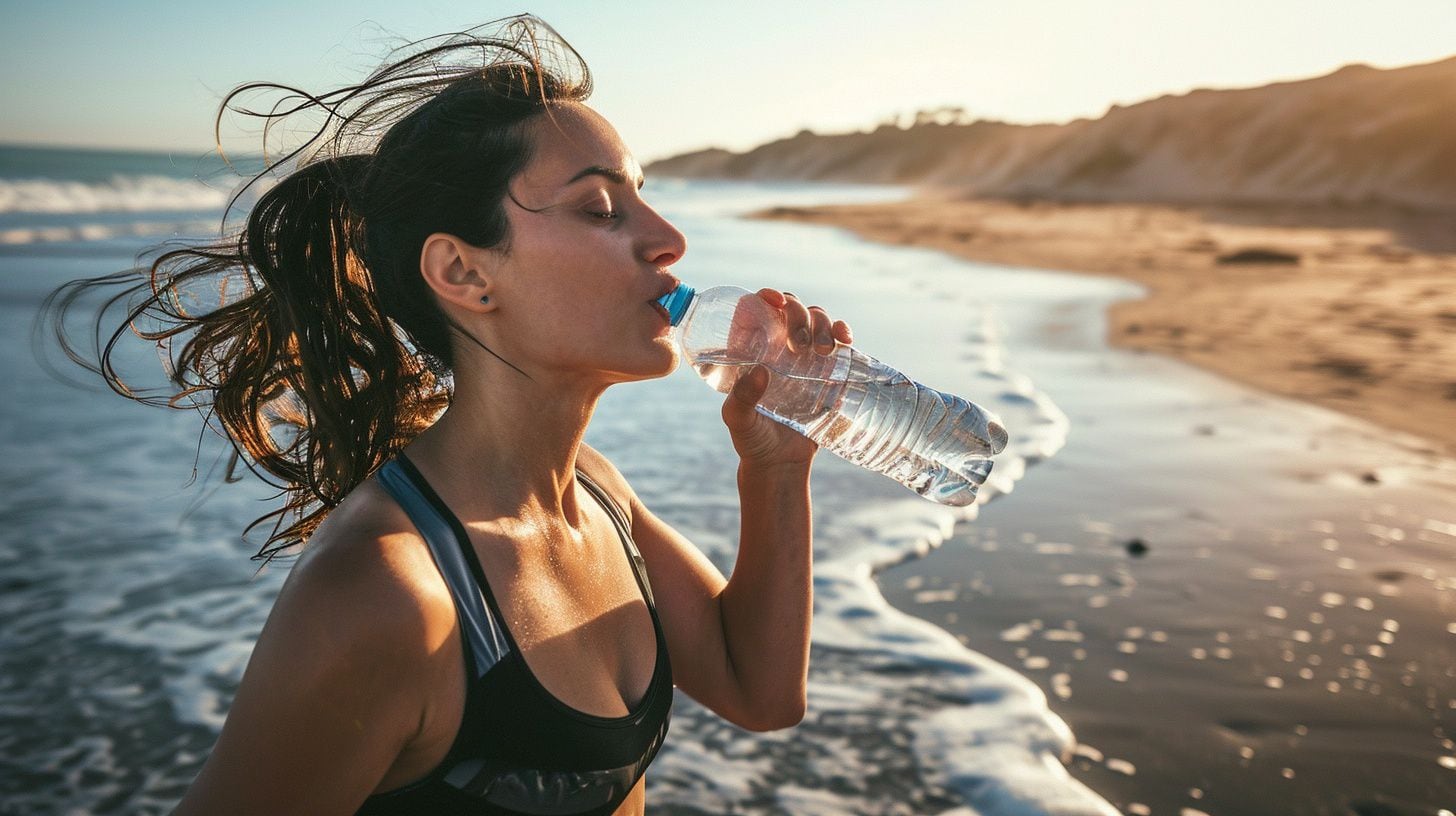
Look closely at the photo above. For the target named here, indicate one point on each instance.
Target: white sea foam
(120, 194)
(66, 233)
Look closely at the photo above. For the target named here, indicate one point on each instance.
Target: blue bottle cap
(676, 302)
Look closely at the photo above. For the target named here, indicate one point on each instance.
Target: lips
(661, 311)
(671, 284)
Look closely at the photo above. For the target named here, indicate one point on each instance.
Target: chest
(577, 616)
(588, 638)
(582, 630)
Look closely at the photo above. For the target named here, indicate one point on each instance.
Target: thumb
(746, 393)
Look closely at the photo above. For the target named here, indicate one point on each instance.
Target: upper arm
(330, 695)
(686, 587)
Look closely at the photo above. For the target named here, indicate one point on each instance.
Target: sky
(678, 75)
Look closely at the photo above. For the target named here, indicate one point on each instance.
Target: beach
(1026, 662)
(1360, 317)
(1240, 602)
(1200, 265)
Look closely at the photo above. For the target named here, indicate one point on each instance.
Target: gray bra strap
(487, 642)
(624, 532)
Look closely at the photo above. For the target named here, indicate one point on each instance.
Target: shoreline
(1360, 317)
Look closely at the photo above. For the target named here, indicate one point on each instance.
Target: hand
(760, 441)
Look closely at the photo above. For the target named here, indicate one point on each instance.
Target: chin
(671, 359)
(662, 364)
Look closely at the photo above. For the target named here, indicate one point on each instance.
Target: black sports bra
(519, 749)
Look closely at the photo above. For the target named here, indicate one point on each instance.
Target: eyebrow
(616, 176)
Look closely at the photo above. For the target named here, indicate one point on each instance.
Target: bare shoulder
(367, 583)
(342, 676)
(604, 473)
(369, 546)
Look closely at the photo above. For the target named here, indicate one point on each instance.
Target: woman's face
(586, 258)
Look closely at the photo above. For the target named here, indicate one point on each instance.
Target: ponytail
(300, 347)
(323, 325)
(322, 357)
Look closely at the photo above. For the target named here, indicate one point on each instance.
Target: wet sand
(1242, 604)
(1359, 317)
(1237, 670)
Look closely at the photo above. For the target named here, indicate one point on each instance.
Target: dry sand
(1363, 322)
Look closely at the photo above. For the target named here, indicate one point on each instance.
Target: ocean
(131, 606)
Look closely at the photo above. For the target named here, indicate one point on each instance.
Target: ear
(457, 271)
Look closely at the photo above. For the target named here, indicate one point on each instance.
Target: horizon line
(786, 133)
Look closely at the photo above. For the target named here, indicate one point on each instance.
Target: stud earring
(485, 298)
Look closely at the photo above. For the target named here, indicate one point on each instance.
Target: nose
(664, 244)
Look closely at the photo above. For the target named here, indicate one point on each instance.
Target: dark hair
(323, 324)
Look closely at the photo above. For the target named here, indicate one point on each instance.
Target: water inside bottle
(856, 407)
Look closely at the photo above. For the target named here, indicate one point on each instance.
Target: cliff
(1357, 136)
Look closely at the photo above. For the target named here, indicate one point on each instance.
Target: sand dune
(1357, 136)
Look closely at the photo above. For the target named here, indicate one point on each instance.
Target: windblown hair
(323, 326)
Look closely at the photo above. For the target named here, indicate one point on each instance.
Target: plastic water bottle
(849, 403)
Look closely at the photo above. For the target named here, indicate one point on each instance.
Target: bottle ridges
(856, 407)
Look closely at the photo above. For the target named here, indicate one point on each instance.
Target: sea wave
(121, 193)
(16, 237)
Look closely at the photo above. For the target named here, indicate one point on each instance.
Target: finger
(798, 325)
(774, 297)
(745, 394)
(842, 332)
(820, 328)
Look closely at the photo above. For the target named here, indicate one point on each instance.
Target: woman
(485, 618)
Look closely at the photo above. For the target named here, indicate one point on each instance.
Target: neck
(507, 444)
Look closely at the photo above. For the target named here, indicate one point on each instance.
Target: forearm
(768, 601)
